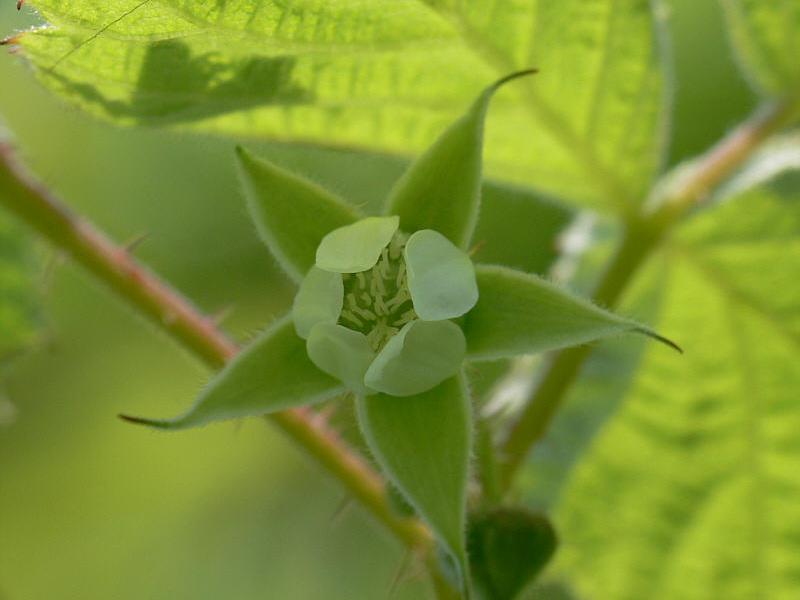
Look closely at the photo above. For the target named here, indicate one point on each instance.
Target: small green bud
(341, 353)
(508, 549)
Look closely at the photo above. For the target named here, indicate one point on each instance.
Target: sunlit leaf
(357, 247)
(700, 463)
(442, 189)
(387, 74)
(292, 215)
(524, 314)
(423, 443)
(441, 278)
(271, 374)
(421, 355)
(765, 37)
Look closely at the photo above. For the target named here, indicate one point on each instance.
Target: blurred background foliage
(93, 508)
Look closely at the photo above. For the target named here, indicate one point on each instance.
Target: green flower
(374, 313)
(374, 308)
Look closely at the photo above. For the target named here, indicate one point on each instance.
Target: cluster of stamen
(377, 302)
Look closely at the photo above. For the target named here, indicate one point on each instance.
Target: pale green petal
(319, 300)
(441, 277)
(357, 247)
(342, 353)
(419, 357)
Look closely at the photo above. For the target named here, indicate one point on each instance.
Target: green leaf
(423, 444)
(342, 353)
(18, 314)
(385, 75)
(273, 373)
(420, 356)
(292, 215)
(441, 190)
(700, 463)
(766, 40)
(441, 278)
(604, 381)
(511, 217)
(508, 548)
(357, 247)
(319, 300)
(519, 313)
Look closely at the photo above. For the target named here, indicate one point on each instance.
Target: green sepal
(356, 247)
(319, 300)
(343, 353)
(518, 313)
(291, 214)
(508, 548)
(441, 277)
(423, 444)
(418, 357)
(273, 373)
(441, 189)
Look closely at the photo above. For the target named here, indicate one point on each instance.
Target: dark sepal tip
(142, 421)
(662, 339)
(489, 91)
(515, 75)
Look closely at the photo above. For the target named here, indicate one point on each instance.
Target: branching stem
(643, 234)
(34, 204)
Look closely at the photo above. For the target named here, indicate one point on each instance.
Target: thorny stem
(29, 200)
(643, 234)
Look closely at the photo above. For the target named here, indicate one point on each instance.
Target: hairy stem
(643, 235)
(172, 313)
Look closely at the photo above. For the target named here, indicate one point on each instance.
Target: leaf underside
(18, 314)
(387, 75)
(703, 455)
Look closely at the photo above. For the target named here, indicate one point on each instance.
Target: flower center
(377, 302)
